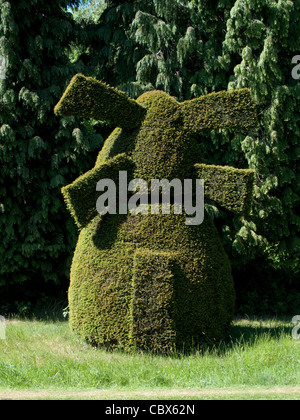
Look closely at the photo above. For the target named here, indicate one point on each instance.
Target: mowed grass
(48, 357)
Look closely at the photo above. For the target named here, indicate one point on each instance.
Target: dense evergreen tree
(106, 43)
(261, 39)
(183, 41)
(38, 152)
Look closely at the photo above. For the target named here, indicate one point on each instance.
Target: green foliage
(105, 45)
(229, 187)
(90, 99)
(112, 301)
(81, 196)
(260, 42)
(153, 303)
(89, 10)
(183, 40)
(233, 109)
(152, 282)
(38, 153)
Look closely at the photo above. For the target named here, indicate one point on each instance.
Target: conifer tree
(183, 41)
(38, 153)
(106, 43)
(261, 39)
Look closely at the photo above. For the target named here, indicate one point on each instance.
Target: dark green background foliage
(38, 152)
(186, 48)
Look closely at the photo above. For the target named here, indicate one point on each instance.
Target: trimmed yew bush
(151, 281)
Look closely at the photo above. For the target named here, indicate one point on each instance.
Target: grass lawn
(45, 360)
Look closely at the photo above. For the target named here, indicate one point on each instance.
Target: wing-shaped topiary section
(229, 187)
(81, 196)
(88, 98)
(150, 281)
(233, 109)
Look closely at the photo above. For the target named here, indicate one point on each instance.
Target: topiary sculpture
(151, 281)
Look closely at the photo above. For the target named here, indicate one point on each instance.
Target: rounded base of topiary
(150, 282)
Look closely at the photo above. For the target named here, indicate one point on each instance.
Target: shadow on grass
(244, 333)
(46, 309)
(258, 328)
